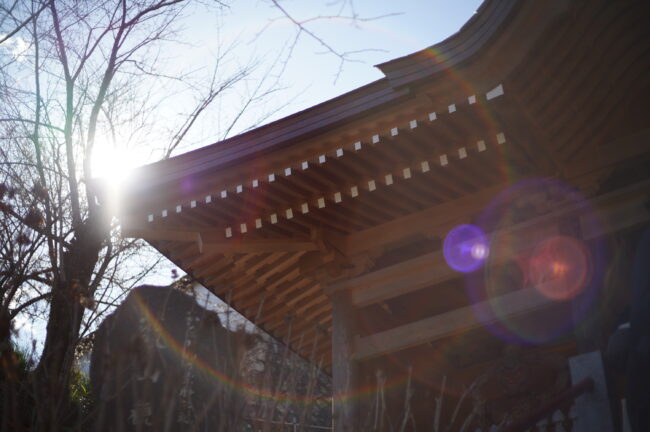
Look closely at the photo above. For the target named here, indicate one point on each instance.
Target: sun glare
(112, 163)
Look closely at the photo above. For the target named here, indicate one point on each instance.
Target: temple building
(450, 235)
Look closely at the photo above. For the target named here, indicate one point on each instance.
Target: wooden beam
(215, 242)
(431, 269)
(154, 234)
(448, 324)
(616, 210)
(432, 221)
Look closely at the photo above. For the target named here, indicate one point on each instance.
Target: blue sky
(258, 31)
(407, 26)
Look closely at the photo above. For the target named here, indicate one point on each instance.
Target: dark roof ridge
(460, 46)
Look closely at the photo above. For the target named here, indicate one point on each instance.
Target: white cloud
(16, 46)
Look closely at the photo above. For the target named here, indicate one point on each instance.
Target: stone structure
(163, 362)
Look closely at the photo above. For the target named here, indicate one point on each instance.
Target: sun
(112, 163)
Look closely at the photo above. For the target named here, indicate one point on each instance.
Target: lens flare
(534, 256)
(465, 248)
(560, 268)
(479, 251)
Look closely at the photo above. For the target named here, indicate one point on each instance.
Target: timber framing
(449, 323)
(352, 198)
(621, 210)
(618, 210)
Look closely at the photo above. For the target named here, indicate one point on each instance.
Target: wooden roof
(271, 219)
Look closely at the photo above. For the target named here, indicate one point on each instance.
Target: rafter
(449, 323)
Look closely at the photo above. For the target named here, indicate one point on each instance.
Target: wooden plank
(432, 269)
(186, 254)
(218, 264)
(618, 210)
(306, 333)
(266, 261)
(216, 242)
(432, 221)
(306, 307)
(618, 215)
(448, 324)
(315, 322)
(276, 305)
(151, 234)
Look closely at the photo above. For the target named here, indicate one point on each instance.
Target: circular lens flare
(560, 267)
(465, 248)
(479, 251)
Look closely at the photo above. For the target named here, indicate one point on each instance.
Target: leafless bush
(382, 418)
(162, 362)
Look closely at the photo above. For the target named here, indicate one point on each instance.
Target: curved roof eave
(462, 45)
(480, 29)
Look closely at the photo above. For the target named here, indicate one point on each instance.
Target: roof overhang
(269, 219)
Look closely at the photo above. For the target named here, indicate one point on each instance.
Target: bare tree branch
(34, 122)
(24, 23)
(16, 311)
(301, 28)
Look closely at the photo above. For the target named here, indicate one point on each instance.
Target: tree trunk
(9, 419)
(65, 317)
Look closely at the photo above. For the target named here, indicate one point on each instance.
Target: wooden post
(344, 369)
(592, 409)
(586, 320)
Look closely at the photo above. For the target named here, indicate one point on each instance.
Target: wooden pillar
(586, 319)
(592, 409)
(345, 379)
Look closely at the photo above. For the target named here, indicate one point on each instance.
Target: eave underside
(375, 192)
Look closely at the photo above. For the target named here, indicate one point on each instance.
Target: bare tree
(82, 74)
(70, 73)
